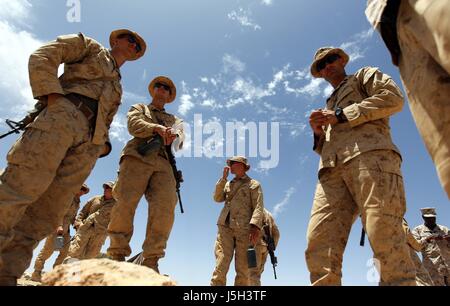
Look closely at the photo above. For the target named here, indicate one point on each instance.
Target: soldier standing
(423, 278)
(436, 247)
(62, 230)
(92, 223)
(359, 172)
(148, 173)
(57, 151)
(240, 221)
(262, 251)
(417, 33)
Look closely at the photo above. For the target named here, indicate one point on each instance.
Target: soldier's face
(237, 168)
(107, 193)
(333, 70)
(162, 92)
(126, 47)
(430, 221)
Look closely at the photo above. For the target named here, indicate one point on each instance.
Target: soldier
(92, 223)
(436, 247)
(417, 33)
(62, 230)
(261, 247)
(57, 151)
(359, 172)
(423, 278)
(148, 173)
(239, 222)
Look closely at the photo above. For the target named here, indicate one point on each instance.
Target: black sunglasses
(132, 40)
(327, 60)
(166, 87)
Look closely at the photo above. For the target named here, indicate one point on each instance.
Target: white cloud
(281, 206)
(186, 104)
(232, 64)
(355, 46)
(119, 130)
(16, 45)
(243, 17)
(267, 2)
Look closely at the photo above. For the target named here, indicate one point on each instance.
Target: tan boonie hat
(428, 212)
(239, 159)
(324, 52)
(109, 184)
(166, 81)
(141, 41)
(84, 186)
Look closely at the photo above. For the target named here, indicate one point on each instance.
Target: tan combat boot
(152, 263)
(36, 276)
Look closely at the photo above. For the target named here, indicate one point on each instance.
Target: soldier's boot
(9, 281)
(118, 257)
(36, 276)
(152, 263)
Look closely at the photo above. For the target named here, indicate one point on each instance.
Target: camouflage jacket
(142, 119)
(97, 212)
(243, 203)
(368, 98)
(71, 214)
(89, 70)
(273, 229)
(436, 254)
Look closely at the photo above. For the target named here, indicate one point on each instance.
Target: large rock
(104, 272)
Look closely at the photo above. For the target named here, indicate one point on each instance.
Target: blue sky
(245, 61)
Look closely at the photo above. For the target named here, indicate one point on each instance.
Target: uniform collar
(113, 60)
(153, 108)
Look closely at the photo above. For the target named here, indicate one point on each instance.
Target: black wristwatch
(339, 113)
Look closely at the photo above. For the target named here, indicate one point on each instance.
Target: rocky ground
(100, 272)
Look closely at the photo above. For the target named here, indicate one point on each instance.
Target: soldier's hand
(330, 117)
(161, 131)
(317, 121)
(170, 136)
(60, 230)
(254, 234)
(226, 171)
(51, 98)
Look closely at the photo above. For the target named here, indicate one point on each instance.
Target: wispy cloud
(267, 2)
(243, 17)
(355, 47)
(119, 131)
(281, 206)
(232, 64)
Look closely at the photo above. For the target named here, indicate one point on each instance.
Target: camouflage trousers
(46, 167)
(231, 242)
(422, 276)
(261, 257)
(48, 249)
(424, 36)
(369, 185)
(438, 272)
(87, 242)
(157, 182)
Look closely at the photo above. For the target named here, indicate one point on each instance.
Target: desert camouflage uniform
(261, 248)
(423, 278)
(49, 246)
(359, 174)
(151, 175)
(92, 233)
(435, 254)
(243, 206)
(417, 32)
(56, 153)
